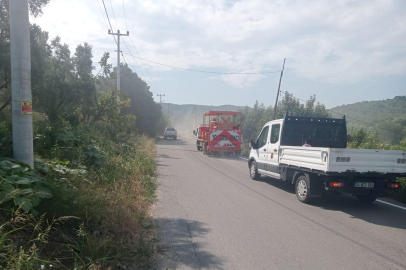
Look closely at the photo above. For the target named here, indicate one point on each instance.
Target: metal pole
(21, 82)
(279, 88)
(118, 61)
(160, 98)
(118, 67)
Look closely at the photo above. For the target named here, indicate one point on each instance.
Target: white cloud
(332, 41)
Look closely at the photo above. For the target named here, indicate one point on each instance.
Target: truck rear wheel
(303, 189)
(254, 171)
(366, 198)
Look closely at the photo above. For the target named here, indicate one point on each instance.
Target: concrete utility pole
(118, 60)
(160, 98)
(279, 88)
(21, 105)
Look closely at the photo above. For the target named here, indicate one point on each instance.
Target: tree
(35, 7)
(255, 118)
(143, 106)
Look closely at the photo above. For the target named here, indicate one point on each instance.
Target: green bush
(6, 142)
(21, 187)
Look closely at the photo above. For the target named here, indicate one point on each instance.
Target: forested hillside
(388, 117)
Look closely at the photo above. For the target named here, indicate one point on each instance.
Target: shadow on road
(179, 141)
(167, 156)
(179, 245)
(286, 186)
(224, 156)
(375, 213)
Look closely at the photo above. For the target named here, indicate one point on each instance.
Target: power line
(111, 28)
(141, 70)
(142, 63)
(101, 10)
(125, 16)
(374, 125)
(205, 71)
(107, 14)
(114, 15)
(151, 82)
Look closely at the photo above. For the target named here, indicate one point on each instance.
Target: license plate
(364, 184)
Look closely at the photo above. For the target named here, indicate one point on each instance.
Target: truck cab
(311, 153)
(198, 132)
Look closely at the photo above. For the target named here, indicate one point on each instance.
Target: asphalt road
(211, 215)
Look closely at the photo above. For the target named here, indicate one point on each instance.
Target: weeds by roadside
(96, 212)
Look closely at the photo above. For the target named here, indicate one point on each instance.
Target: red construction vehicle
(221, 132)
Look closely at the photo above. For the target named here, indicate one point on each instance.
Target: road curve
(211, 215)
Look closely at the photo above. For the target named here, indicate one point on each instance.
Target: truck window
(263, 137)
(275, 133)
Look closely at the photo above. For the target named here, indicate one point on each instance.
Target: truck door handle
(275, 150)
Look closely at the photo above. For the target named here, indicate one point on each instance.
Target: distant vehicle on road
(221, 132)
(170, 133)
(311, 153)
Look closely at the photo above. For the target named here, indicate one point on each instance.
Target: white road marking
(404, 208)
(244, 158)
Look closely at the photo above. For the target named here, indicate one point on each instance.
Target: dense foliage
(387, 117)
(255, 118)
(66, 90)
(86, 204)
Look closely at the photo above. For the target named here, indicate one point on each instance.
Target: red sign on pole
(26, 107)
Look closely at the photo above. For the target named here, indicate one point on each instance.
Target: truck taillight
(393, 185)
(336, 184)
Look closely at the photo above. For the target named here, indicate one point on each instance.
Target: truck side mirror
(252, 144)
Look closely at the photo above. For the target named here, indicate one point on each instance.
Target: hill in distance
(385, 117)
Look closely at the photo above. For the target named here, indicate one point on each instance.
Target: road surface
(211, 215)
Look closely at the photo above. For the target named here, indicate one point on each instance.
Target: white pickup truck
(311, 153)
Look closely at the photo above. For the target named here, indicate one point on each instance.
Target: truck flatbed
(342, 160)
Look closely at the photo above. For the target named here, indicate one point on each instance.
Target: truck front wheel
(254, 171)
(366, 198)
(302, 189)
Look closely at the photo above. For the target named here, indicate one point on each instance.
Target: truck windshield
(318, 132)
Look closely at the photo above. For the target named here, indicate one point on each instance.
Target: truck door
(272, 157)
(261, 148)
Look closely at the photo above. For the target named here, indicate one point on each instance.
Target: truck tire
(302, 189)
(254, 171)
(366, 198)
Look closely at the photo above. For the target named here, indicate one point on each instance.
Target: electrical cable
(205, 71)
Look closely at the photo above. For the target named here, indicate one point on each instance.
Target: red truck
(221, 132)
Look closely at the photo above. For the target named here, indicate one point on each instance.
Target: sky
(341, 51)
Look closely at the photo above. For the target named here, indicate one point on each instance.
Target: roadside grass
(103, 185)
